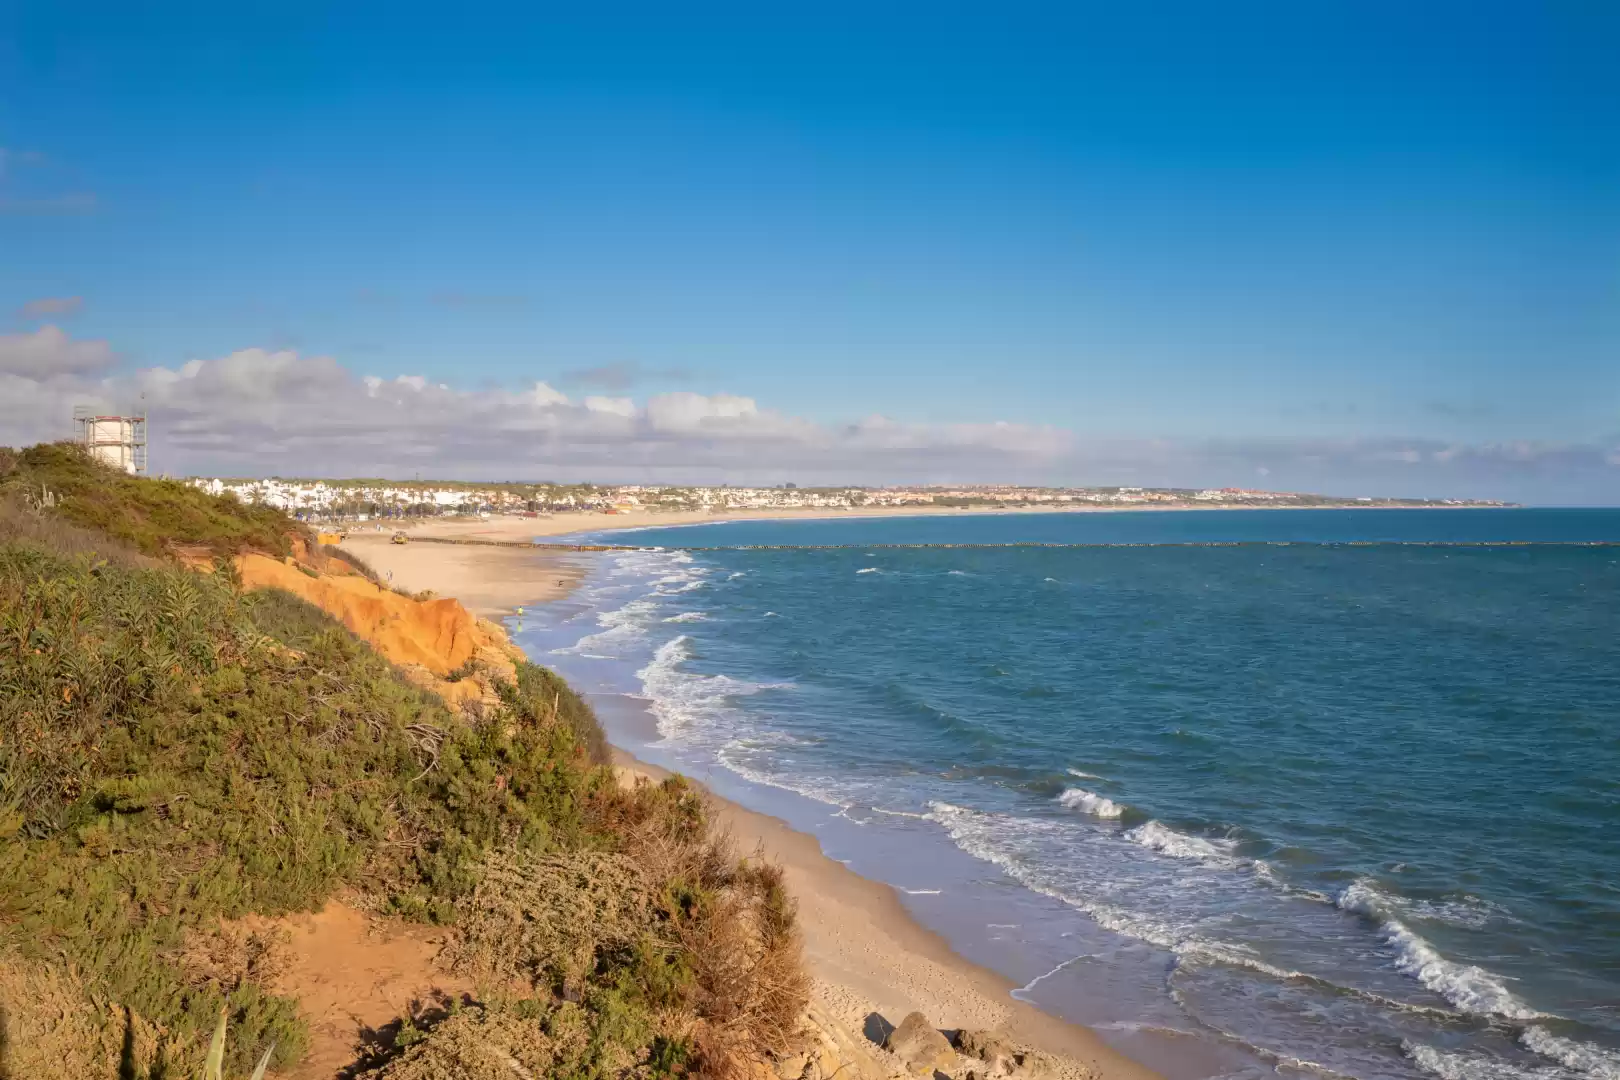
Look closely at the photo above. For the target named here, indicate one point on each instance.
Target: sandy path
(354, 977)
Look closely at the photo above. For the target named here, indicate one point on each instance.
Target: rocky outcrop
(920, 1047)
(991, 1049)
(829, 1050)
(993, 1057)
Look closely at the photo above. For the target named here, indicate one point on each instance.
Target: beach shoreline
(866, 952)
(516, 528)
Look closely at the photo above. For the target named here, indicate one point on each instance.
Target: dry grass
(749, 971)
(233, 955)
(730, 919)
(694, 945)
(486, 1042)
(21, 523)
(546, 922)
(51, 1025)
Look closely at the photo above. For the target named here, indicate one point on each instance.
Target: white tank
(114, 440)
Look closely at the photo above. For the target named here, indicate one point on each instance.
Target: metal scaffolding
(117, 440)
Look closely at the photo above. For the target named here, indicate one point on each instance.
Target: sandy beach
(511, 527)
(868, 955)
(491, 581)
(865, 951)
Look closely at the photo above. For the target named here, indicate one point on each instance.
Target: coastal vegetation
(148, 515)
(178, 755)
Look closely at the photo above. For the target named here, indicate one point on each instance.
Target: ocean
(1312, 793)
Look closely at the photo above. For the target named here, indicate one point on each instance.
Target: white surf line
(844, 813)
(1023, 991)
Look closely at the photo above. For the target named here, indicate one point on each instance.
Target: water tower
(119, 441)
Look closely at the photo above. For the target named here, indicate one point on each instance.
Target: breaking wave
(1590, 1061)
(1157, 836)
(685, 702)
(1414, 973)
(1467, 986)
(1091, 803)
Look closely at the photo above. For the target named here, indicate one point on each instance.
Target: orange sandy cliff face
(437, 636)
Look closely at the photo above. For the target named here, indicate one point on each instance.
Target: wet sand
(868, 955)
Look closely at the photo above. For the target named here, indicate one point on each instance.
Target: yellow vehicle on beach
(397, 538)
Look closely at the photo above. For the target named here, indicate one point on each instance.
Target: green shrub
(146, 514)
(541, 693)
(174, 753)
(291, 620)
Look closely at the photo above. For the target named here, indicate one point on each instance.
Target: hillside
(186, 754)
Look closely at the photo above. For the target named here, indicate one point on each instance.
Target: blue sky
(1312, 239)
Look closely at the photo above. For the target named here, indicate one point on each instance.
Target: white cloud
(618, 406)
(48, 352)
(279, 411)
(543, 395)
(684, 411)
(259, 411)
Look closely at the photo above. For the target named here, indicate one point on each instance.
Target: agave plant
(214, 1065)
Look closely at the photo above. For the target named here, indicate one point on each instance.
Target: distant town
(363, 500)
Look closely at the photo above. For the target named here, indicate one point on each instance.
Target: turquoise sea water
(1317, 805)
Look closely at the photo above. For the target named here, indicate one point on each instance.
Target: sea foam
(621, 627)
(728, 756)
(1076, 798)
(1467, 986)
(1455, 1065)
(1157, 836)
(684, 701)
(1585, 1058)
